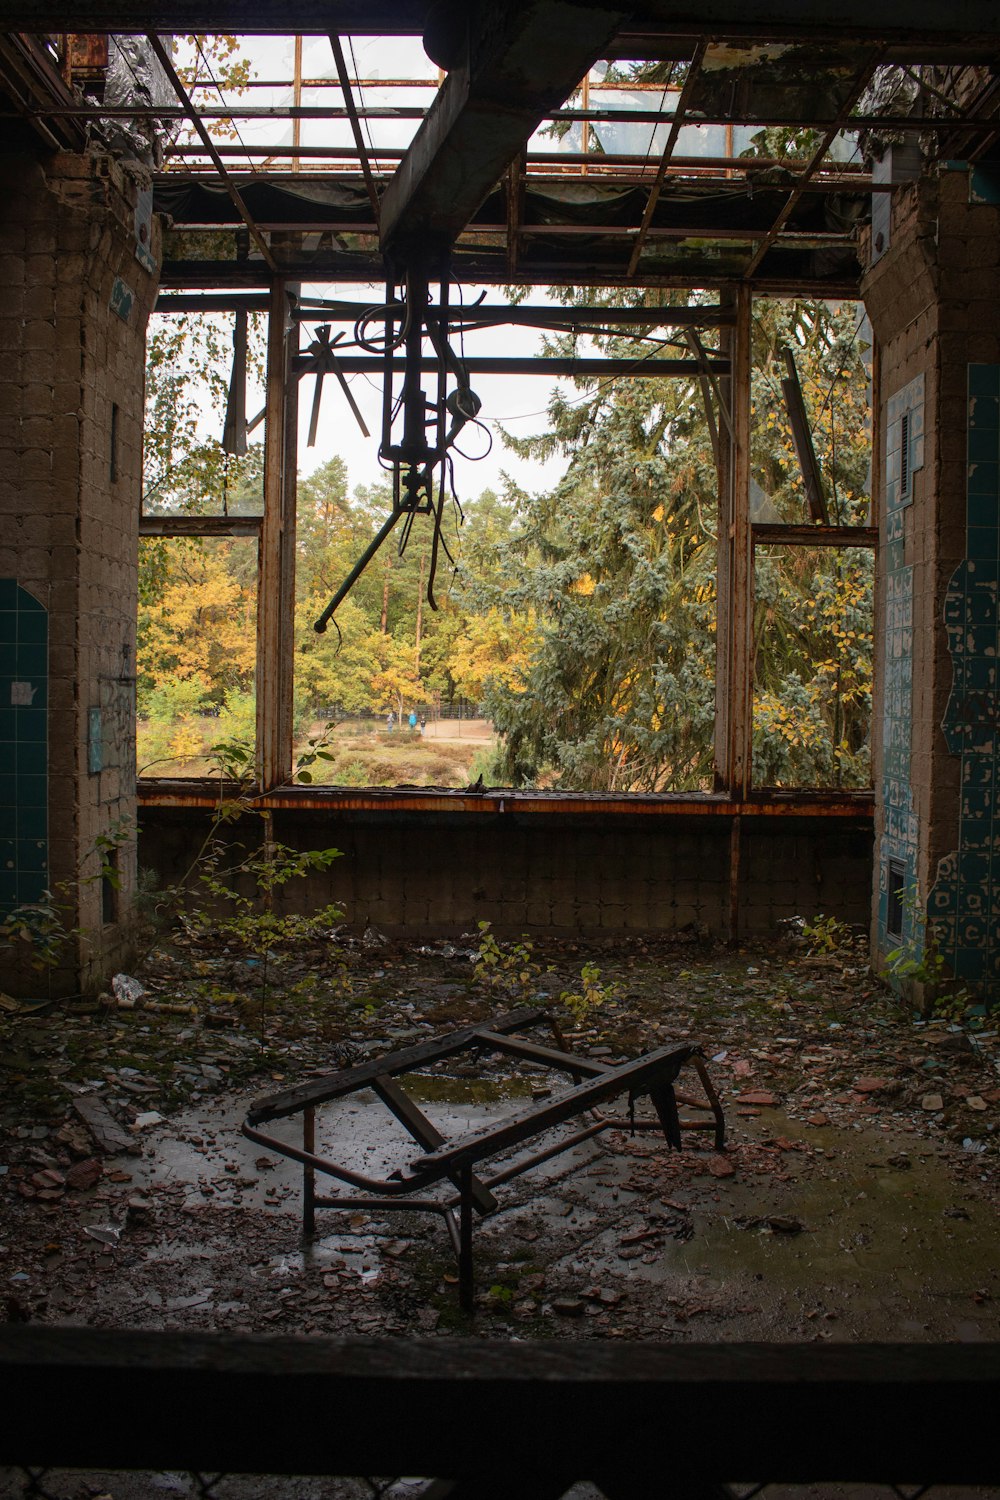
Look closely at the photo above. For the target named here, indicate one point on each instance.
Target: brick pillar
(75, 266)
(934, 300)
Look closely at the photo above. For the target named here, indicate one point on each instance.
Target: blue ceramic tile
(32, 823)
(984, 380)
(32, 628)
(31, 726)
(31, 885)
(982, 445)
(984, 412)
(32, 789)
(32, 659)
(32, 854)
(983, 478)
(983, 543)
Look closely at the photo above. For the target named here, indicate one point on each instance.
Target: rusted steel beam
(426, 1134)
(653, 1071)
(258, 18)
(734, 670)
(549, 1057)
(815, 163)
(918, 124)
(814, 536)
(486, 314)
(32, 83)
(353, 364)
(486, 267)
(166, 63)
(172, 525)
(349, 1080)
(973, 23)
(352, 112)
(276, 565)
(676, 121)
(346, 802)
(802, 441)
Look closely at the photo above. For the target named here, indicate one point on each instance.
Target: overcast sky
(515, 402)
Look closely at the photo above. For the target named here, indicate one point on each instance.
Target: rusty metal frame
(676, 122)
(652, 1075)
(276, 563)
(209, 145)
(815, 163)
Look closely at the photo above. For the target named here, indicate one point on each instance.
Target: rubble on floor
(856, 1199)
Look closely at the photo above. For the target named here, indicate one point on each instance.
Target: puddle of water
(438, 1088)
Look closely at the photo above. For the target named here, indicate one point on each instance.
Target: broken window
(812, 642)
(197, 651)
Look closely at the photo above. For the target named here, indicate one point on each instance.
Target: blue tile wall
(964, 903)
(899, 835)
(24, 785)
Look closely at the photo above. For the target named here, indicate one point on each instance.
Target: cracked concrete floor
(856, 1199)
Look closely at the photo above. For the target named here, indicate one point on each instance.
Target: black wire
(225, 103)
(361, 97)
(476, 458)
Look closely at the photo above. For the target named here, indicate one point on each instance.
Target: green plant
(826, 934)
(918, 961)
(591, 995)
(507, 969)
(43, 926)
(246, 891)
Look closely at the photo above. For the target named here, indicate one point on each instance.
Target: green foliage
(508, 970)
(582, 619)
(826, 934)
(918, 961)
(239, 887)
(616, 568)
(591, 995)
(42, 926)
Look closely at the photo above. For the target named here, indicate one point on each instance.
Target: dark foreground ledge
(637, 1412)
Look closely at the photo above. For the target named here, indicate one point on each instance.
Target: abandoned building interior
(691, 166)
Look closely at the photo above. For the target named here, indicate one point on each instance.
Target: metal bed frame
(652, 1075)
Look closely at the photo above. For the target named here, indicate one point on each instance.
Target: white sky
(516, 402)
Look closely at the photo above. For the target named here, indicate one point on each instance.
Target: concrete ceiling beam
(513, 65)
(976, 22)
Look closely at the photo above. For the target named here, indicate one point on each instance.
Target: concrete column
(77, 264)
(934, 304)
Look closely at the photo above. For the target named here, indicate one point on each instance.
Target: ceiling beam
(240, 17)
(975, 22)
(522, 61)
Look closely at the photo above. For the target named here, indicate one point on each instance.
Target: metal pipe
(356, 572)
